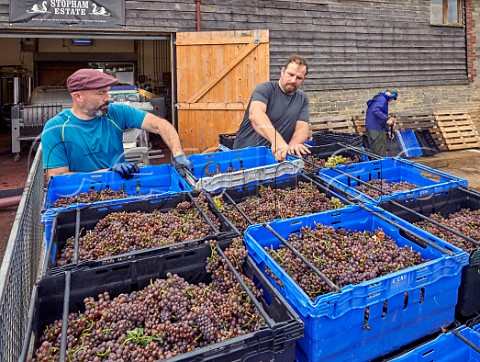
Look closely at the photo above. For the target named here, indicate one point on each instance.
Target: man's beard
(103, 110)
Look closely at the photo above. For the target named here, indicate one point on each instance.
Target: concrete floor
(461, 163)
(13, 174)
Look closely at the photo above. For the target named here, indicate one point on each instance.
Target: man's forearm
(265, 129)
(166, 130)
(299, 137)
(172, 140)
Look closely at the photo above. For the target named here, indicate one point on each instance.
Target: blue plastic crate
(150, 181)
(394, 169)
(408, 143)
(334, 322)
(446, 203)
(446, 348)
(219, 170)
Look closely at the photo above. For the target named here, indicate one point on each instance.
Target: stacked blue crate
(335, 322)
(347, 178)
(461, 344)
(150, 181)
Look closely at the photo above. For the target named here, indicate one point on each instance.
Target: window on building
(446, 12)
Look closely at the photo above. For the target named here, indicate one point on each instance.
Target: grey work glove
(182, 163)
(125, 169)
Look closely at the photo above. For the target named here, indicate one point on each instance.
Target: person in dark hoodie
(378, 123)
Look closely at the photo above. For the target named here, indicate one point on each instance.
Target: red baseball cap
(84, 79)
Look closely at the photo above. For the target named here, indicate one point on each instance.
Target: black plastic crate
(240, 194)
(427, 143)
(446, 203)
(227, 140)
(67, 289)
(328, 137)
(69, 223)
(323, 152)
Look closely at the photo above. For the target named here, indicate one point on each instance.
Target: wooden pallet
(409, 121)
(359, 122)
(422, 122)
(416, 122)
(457, 129)
(335, 124)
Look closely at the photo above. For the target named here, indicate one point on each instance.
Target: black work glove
(182, 163)
(125, 169)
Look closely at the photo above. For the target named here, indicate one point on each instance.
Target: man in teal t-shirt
(89, 136)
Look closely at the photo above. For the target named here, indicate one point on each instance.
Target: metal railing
(21, 264)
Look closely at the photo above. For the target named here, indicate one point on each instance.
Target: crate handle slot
(405, 300)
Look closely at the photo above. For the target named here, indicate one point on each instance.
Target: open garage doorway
(48, 60)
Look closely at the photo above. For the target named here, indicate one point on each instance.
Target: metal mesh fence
(21, 264)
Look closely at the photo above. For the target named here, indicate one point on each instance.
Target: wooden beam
(213, 106)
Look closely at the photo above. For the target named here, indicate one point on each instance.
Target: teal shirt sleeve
(53, 149)
(126, 116)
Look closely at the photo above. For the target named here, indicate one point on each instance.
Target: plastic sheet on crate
(347, 178)
(218, 170)
(337, 319)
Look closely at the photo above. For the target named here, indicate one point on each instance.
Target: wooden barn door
(216, 73)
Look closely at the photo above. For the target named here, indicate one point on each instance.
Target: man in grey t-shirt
(277, 113)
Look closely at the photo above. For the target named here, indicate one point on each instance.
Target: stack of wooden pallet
(457, 129)
(450, 130)
(342, 124)
(359, 122)
(421, 122)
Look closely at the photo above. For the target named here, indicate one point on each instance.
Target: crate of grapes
(460, 344)
(457, 209)
(389, 178)
(99, 234)
(66, 192)
(331, 155)
(278, 199)
(188, 306)
(364, 283)
(219, 170)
